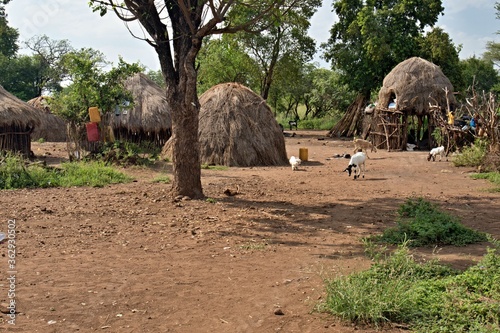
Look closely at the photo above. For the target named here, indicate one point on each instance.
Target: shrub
(422, 223)
(426, 297)
(15, 173)
(472, 156)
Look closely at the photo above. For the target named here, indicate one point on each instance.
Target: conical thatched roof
(237, 128)
(150, 113)
(14, 111)
(52, 127)
(415, 83)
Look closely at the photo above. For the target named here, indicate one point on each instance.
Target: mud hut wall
(15, 138)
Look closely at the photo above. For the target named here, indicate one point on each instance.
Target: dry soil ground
(126, 258)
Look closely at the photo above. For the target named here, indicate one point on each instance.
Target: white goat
(363, 144)
(357, 163)
(295, 162)
(436, 151)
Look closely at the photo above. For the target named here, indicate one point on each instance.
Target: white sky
(468, 22)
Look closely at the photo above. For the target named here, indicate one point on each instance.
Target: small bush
(472, 156)
(423, 224)
(126, 153)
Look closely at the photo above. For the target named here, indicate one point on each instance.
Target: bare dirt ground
(126, 258)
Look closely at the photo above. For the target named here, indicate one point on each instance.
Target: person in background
(474, 123)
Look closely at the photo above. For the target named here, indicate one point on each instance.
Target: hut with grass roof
(415, 88)
(237, 128)
(18, 120)
(52, 127)
(148, 118)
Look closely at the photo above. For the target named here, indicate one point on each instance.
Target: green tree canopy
(282, 33)
(90, 85)
(8, 39)
(479, 74)
(49, 55)
(373, 36)
(437, 47)
(222, 60)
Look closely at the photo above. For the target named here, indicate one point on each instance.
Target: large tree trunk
(186, 152)
(185, 106)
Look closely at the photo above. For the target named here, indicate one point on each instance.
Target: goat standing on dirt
(357, 163)
(363, 145)
(436, 151)
(295, 162)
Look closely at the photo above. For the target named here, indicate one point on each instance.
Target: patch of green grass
(214, 167)
(493, 177)
(162, 179)
(423, 224)
(41, 140)
(427, 297)
(16, 173)
(211, 200)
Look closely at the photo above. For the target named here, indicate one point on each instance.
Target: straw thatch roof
(52, 127)
(150, 112)
(237, 128)
(15, 112)
(415, 83)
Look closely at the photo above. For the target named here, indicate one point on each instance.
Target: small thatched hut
(149, 119)
(18, 119)
(237, 128)
(415, 87)
(52, 127)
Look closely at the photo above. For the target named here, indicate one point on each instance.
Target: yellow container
(95, 116)
(303, 154)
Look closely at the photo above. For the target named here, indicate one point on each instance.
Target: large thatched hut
(237, 128)
(415, 88)
(18, 119)
(52, 127)
(149, 119)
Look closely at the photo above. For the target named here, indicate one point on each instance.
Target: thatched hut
(18, 119)
(237, 128)
(149, 119)
(52, 127)
(415, 87)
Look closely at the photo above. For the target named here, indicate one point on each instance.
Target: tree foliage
(282, 34)
(493, 49)
(373, 36)
(8, 39)
(222, 60)
(49, 55)
(91, 85)
(18, 76)
(437, 47)
(479, 74)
